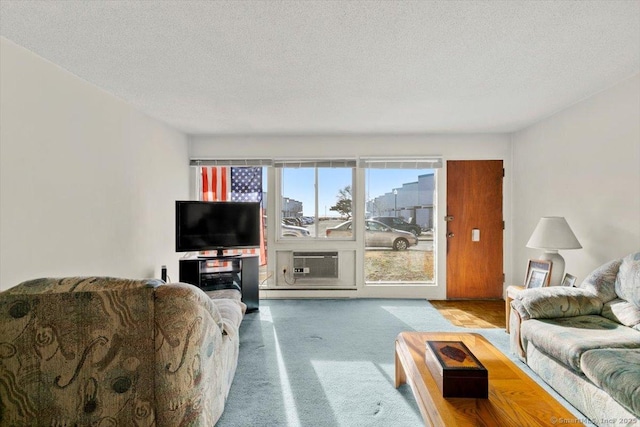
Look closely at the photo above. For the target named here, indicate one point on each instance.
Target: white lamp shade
(553, 232)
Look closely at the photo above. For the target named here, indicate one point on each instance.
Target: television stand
(208, 257)
(239, 272)
(219, 254)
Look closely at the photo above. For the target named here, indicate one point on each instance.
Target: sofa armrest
(556, 301)
(515, 340)
(74, 352)
(189, 351)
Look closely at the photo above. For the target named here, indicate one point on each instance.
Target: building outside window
(401, 195)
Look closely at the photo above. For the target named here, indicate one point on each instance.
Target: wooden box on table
(456, 370)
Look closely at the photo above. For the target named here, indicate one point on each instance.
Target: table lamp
(551, 234)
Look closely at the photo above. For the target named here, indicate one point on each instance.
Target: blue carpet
(313, 362)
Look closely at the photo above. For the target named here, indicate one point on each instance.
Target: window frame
(434, 163)
(316, 164)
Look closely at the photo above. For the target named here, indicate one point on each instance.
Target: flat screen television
(208, 226)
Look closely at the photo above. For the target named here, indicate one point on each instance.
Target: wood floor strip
(472, 313)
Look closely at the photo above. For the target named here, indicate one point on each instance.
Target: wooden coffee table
(514, 398)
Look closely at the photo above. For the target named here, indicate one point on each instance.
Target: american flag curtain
(236, 184)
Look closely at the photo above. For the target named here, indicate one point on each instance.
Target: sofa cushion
(627, 283)
(616, 371)
(231, 313)
(622, 311)
(232, 294)
(601, 281)
(556, 301)
(567, 338)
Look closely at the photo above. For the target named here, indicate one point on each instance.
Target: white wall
(451, 147)
(582, 163)
(87, 184)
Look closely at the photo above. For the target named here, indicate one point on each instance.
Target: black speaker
(164, 273)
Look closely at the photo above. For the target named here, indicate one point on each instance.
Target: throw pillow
(628, 279)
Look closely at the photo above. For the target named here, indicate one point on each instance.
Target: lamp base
(557, 266)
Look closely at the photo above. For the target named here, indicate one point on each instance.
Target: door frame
(507, 188)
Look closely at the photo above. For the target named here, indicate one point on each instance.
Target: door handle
(450, 235)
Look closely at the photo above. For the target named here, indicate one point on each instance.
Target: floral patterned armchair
(106, 352)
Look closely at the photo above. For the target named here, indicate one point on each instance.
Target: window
(400, 196)
(315, 195)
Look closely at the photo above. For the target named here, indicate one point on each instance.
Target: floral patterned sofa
(106, 352)
(585, 341)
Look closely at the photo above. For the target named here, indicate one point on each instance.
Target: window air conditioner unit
(315, 265)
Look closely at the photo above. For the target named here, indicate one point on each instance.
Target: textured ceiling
(318, 67)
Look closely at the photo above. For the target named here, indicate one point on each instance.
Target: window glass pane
(302, 187)
(298, 200)
(403, 200)
(335, 202)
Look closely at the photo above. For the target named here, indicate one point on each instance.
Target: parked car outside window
(291, 220)
(399, 224)
(294, 231)
(376, 235)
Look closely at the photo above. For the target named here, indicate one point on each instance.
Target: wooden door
(474, 202)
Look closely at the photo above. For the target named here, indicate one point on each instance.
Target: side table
(512, 292)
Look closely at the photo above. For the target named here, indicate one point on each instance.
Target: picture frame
(568, 280)
(538, 273)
